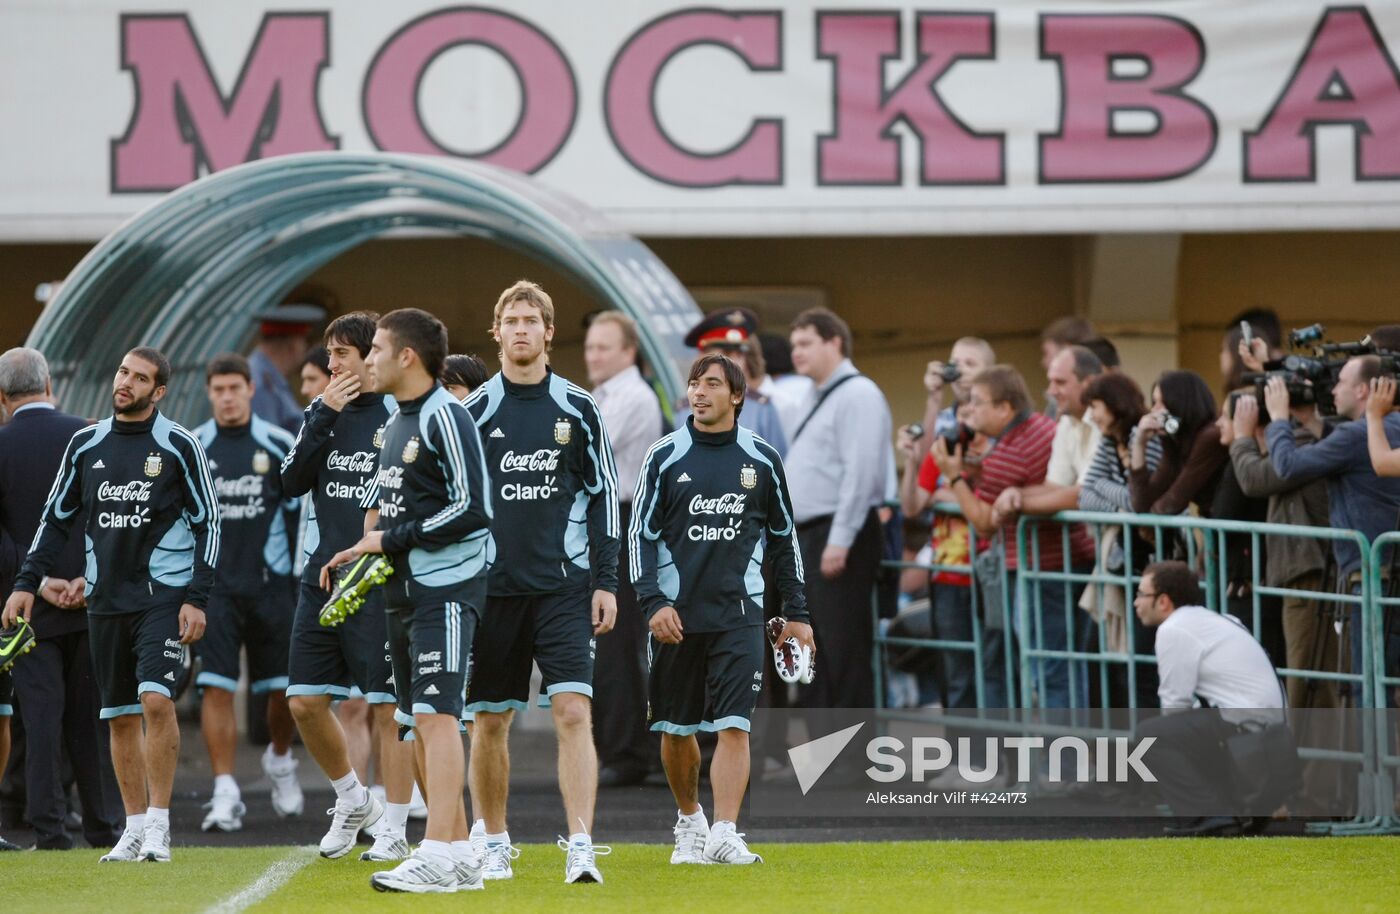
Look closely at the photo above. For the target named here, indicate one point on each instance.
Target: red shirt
(950, 539)
(1018, 460)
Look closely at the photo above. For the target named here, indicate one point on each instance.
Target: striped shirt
(1105, 485)
(1020, 459)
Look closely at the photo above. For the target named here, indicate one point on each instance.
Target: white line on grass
(272, 879)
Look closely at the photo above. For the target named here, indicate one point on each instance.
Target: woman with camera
(1183, 419)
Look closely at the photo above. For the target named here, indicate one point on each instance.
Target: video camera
(1310, 379)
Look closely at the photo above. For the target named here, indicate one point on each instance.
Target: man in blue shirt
(1358, 499)
(282, 347)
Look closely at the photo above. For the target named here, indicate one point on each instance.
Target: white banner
(748, 119)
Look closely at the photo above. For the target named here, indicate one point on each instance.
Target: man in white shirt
(840, 466)
(1205, 655)
(632, 416)
(1076, 439)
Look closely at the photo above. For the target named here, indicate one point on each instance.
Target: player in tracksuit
(553, 581)
(335, 458)
(712, 498)
(253, 597)
(152, 541)
(433, 512)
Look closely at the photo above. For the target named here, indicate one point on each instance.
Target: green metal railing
(1202, 543)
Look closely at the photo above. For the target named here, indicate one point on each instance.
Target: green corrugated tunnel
(189, 273)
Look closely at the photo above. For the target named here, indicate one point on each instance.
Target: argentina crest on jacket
(410, 450)
(153, 465)
(262, 463)
(748, 476)
(563, 431)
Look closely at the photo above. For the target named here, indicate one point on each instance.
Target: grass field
(1161, 875)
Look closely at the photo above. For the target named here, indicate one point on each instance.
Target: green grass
(957, 877)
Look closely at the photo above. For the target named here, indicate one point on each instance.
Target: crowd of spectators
(1256, 455)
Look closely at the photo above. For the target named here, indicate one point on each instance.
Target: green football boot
(360, 576)
(14, 643)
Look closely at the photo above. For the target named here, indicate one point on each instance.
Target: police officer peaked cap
(729, 327)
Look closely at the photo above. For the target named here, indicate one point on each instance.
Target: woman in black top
(1183, 417)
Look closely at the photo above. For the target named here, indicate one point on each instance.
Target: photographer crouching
(1210, 659)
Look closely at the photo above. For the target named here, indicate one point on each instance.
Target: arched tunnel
(189, 274)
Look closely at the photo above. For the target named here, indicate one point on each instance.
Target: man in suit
(55, 688)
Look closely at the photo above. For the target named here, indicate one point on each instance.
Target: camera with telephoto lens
(1310, 379)
(959, 436)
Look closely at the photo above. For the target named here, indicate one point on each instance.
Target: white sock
(695, 818)
(224, 783)
(479, 828)
(136, 823)
(720, 829)
(439, 852)
(155, 814)
(501, 838)
(281, 760)
(462, 851)
(396, 817)
(579, 837)
(350, 789)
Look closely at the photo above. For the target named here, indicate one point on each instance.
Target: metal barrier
(1202, 543)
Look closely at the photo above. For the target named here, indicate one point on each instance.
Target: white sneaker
(287, 798)
(580, 861)
(155, 842)
(128, 849)
(346, 822)
(226, 811)
(495, 861)
(416, 874)
(417, 807)
(387, 847)
(477, 837)
(469, 874)
(729, 847)
(690, 840)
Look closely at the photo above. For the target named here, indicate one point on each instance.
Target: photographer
(1001, 408)
(1183, 415)
(1358, 499)
(950, 592)
(1208, 656)
(969, 356)
(1295, 562)
(1384, 459)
